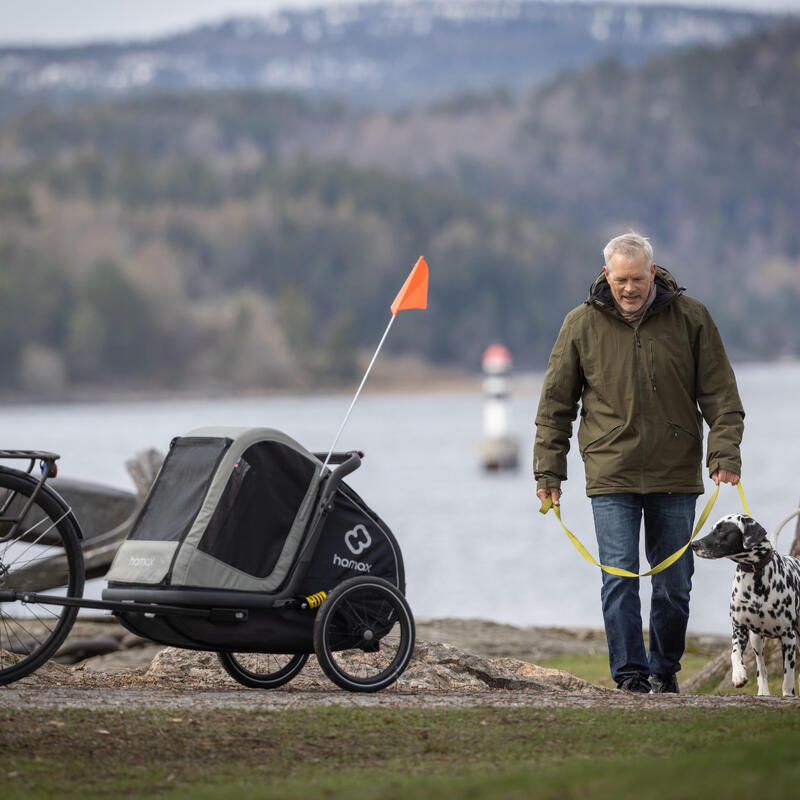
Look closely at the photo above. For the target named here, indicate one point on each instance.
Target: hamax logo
(351, 563)
(357, 540)
(135, 561)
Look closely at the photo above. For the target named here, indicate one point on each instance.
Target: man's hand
(723, 476)
(543, 494)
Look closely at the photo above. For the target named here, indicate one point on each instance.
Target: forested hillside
(256, 239)
(379, 54)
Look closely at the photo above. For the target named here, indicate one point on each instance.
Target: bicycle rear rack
(49, 470)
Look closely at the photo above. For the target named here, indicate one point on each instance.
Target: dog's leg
(757, 643)
(737, 655)
(788, 644)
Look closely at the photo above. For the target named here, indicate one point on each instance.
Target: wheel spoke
(364, 634)
(34, 631)
(262, 670)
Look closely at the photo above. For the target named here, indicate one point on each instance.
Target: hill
(381, 54)
(255, 239)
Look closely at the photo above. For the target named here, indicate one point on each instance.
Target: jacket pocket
(589, 445)
(677, 430)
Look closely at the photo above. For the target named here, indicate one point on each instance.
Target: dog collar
(758, 566)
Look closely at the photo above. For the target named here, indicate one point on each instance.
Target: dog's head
(734, 535)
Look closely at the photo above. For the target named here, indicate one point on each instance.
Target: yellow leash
(660, 567)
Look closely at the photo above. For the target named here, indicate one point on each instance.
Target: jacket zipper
(641, 404)
(652, 366)
(599, 439)
(675, 427)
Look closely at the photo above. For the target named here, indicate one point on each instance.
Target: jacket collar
(667, 290)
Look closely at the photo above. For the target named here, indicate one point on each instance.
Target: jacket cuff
(548, 482)
(728, 465)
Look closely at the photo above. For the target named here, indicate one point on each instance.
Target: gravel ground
(51, 697)
(481, 664)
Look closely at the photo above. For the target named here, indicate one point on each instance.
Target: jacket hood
(666, 289)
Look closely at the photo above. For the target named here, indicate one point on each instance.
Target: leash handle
(662, 565)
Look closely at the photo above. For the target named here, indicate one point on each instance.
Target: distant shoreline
(384, 380)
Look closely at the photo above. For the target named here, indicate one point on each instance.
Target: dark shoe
(635, 685)
(664, 684)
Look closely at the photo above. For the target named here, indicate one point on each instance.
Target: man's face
(630, 280)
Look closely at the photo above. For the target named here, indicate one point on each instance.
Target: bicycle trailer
(246, 546)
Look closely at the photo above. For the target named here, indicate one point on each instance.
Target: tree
(112, 330)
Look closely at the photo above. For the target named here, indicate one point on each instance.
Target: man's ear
(753, 533)
(605, 271)
(653, 272)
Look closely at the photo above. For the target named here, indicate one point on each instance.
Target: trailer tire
(364, 634)
(262, 670)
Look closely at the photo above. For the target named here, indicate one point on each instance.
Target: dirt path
(196, 699)
(457, 663)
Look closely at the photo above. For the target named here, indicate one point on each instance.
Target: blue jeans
(668, 522)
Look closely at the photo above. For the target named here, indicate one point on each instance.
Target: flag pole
(358, 392)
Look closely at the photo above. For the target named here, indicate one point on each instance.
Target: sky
(65, 22)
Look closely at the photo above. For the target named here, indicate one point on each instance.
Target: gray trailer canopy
(228, 510)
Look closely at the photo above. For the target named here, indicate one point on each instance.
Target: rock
(442, 666)
(552, 678)
(74, 650)
(130, 641)
(135, 659)
(497, 639)
(49, 674)
(174, 664)
(434, 667)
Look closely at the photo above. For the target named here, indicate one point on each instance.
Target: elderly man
(647, 365)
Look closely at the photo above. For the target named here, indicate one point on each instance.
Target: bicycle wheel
(262, 670)
(39, 552)
(364, 634)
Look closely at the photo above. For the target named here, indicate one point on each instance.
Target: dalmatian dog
(765, 601)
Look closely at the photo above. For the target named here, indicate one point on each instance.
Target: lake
(474, 544)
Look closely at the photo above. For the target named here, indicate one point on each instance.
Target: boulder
(434, 667)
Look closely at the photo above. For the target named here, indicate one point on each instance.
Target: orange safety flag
(414, 293)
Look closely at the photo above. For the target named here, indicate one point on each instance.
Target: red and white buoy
(499, 448)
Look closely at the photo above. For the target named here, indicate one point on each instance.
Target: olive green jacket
(643, 395)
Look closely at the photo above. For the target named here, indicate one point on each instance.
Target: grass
(593, 667)
(373, 752)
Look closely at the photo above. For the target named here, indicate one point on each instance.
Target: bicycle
(40, 549)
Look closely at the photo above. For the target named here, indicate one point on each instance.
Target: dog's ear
(753, 533)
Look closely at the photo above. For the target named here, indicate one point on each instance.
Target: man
(645, 362)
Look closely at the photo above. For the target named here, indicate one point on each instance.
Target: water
(474, 544)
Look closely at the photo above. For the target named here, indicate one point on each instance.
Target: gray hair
(630, 245)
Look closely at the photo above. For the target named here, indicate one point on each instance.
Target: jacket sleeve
(718, 398)
(558, 407)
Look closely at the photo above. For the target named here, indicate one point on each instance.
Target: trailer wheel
(364, 634)
(262, 670)
(39, 552)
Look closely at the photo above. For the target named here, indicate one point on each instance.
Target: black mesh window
(177, 495)
(258, 507)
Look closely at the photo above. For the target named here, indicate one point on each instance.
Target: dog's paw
(739, 677)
